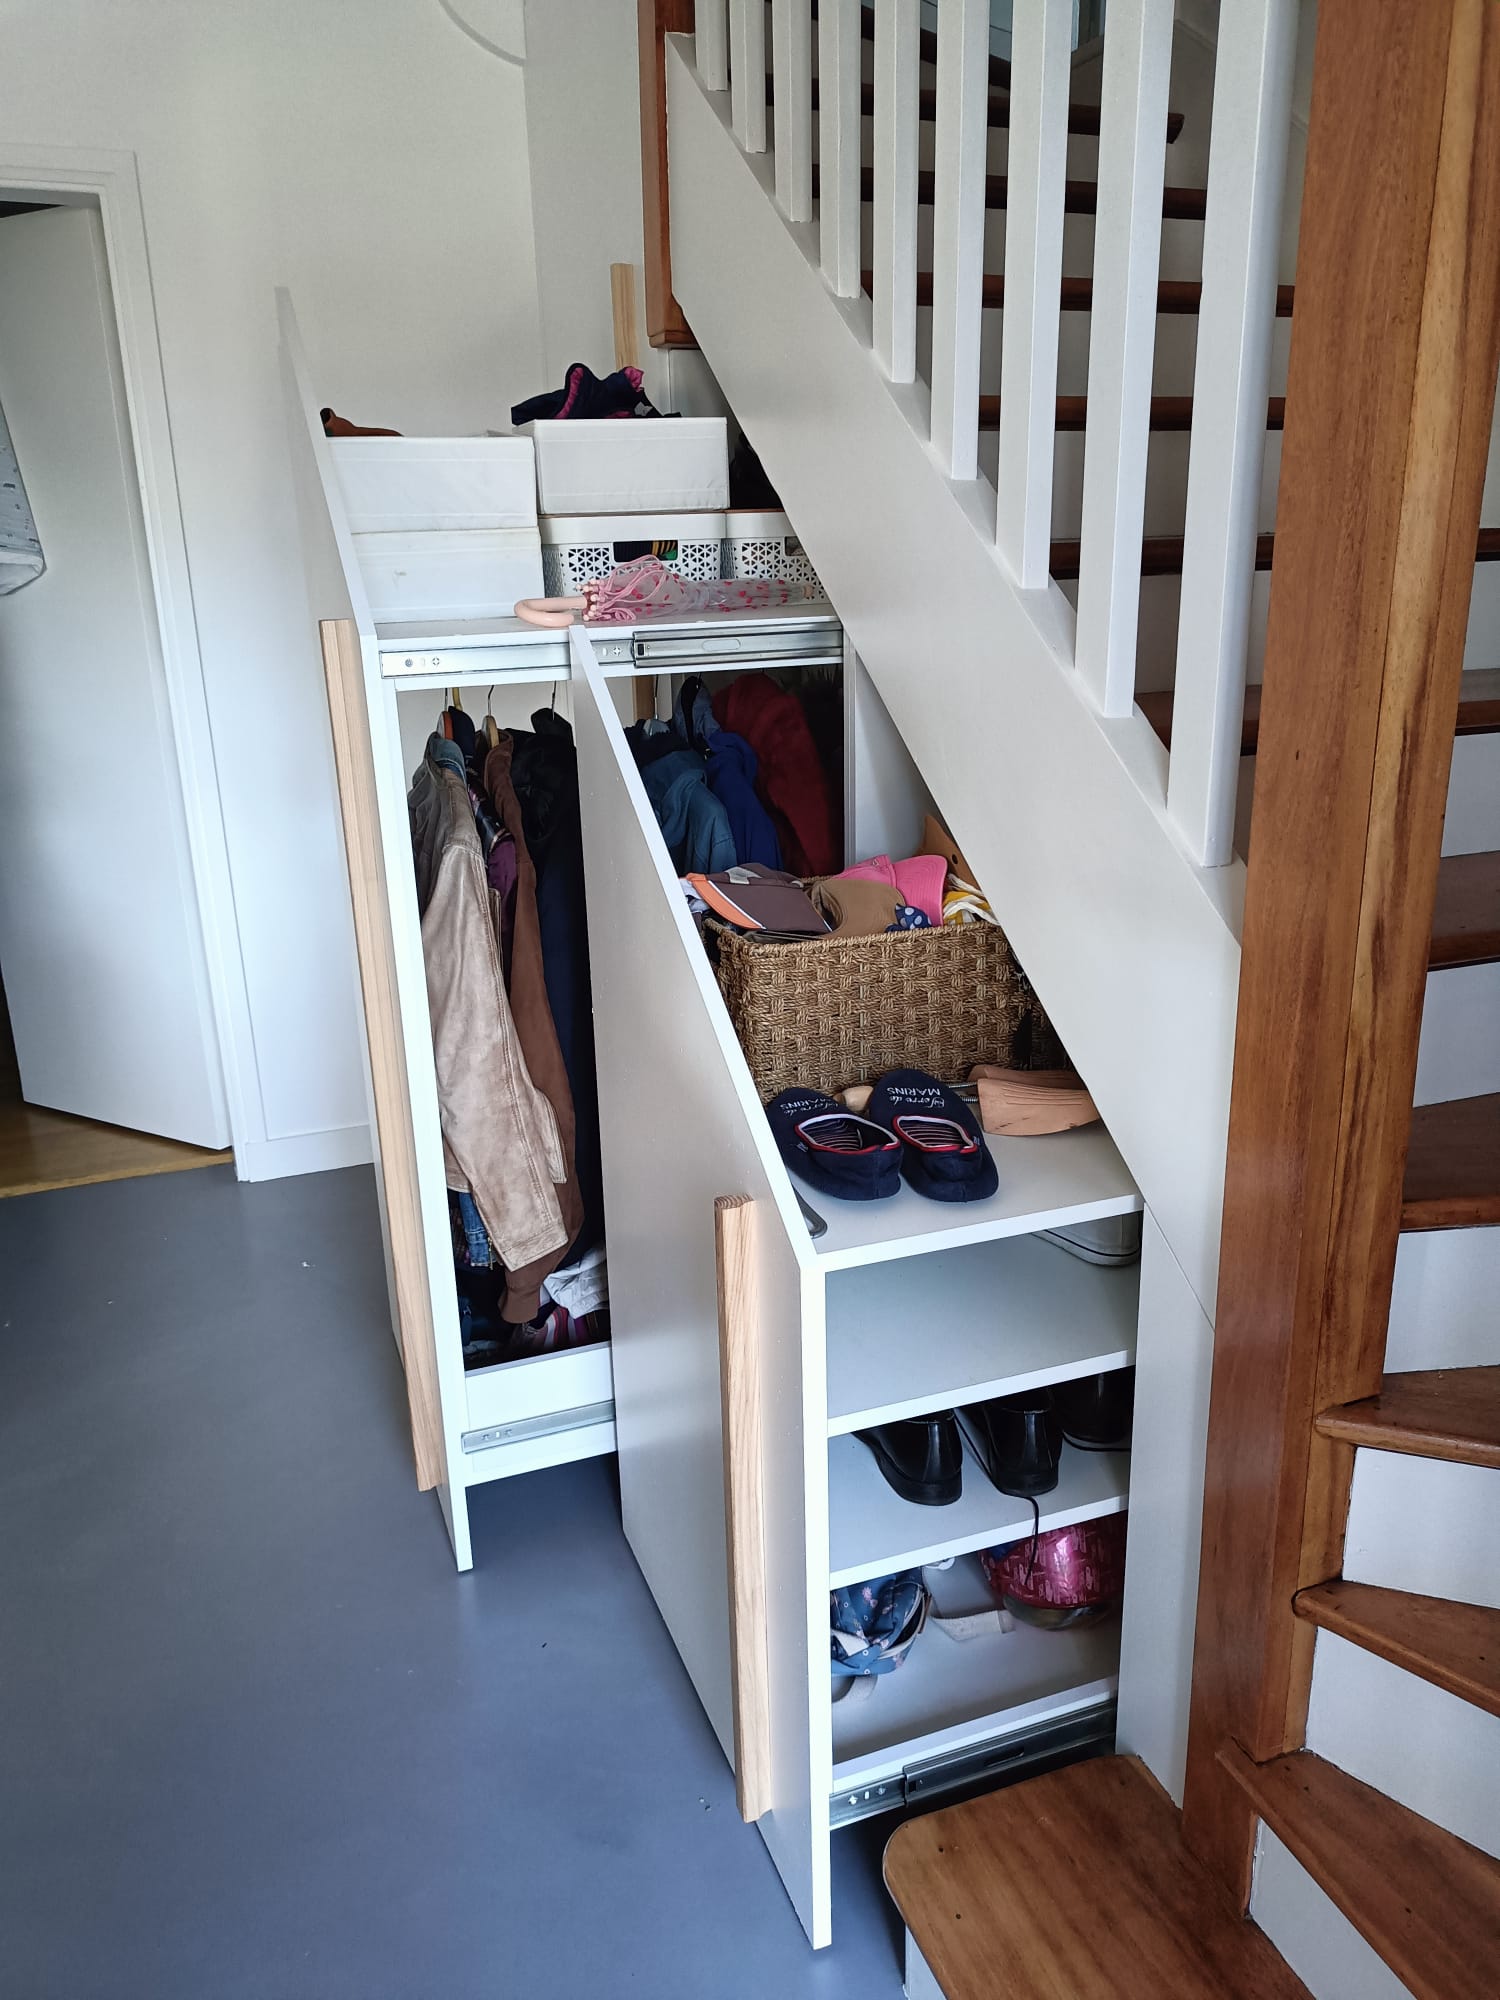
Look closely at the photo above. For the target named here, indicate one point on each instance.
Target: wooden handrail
(1390, 395)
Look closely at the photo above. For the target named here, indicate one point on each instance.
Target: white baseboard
(304, 1153)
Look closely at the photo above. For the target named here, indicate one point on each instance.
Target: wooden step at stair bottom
(1427, 1902)
(1077, 1884)
(1478, 709)
(1447, 1413)
(1453, 1165)
(1454, 1646)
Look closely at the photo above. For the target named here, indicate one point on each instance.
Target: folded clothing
(585, 394)
(917, 882)
(790, 782)
(855, 907)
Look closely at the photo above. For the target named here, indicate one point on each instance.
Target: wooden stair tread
(1448, 1413)
(1427, 1902)
(1455, 1646)
(1466, 918)
(1178, 204)
(1453, 1165)
(1173, 295)
(1478, 708)
(1075, 1883)
(1168, 413)
(1083, 119)
(1161, 555)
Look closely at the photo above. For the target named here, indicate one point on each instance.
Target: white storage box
(478, 574)
(631, 465)
(580, 548)
(762, 544)
(403, 485)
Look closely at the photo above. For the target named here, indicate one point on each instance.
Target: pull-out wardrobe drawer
(901, 1307)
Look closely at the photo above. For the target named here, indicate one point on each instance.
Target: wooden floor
(48, 1149)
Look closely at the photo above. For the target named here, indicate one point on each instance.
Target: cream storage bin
(762, 544)
(475, 574)
(580, 548)
(631, 465)
(405, 485)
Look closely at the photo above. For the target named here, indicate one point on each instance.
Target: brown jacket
(500, 1137)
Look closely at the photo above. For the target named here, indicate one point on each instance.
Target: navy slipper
(834, 1151)
(943, 1154)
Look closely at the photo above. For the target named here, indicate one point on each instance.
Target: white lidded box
(478, 573)
(401, 485)
(631, 465)
(581, 548)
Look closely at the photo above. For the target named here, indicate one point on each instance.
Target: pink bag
(646, 588)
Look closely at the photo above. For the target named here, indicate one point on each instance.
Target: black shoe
(921, 1457)
(1096, 1410)
(1018, 1440)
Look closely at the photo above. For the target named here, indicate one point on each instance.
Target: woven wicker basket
(827, 1012)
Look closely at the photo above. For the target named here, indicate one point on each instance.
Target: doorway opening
(109, 1051)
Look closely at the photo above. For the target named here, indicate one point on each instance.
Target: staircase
(966, 309)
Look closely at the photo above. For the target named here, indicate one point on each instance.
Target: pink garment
(918, 882)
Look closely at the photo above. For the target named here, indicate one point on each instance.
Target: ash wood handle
(744, 1510)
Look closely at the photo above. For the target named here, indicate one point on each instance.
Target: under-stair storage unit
(747, 1352)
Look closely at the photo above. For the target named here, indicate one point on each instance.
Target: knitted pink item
(646, 588)
(918, 882)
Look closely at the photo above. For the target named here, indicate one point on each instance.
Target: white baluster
(711, 43)
(839, 144)
(791, 64)
(897, 104)
(1041, 69)
(747, 73)
(963, 80)
(1241, 240)
(1122, 344)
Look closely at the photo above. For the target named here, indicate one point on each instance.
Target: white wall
(372, 156)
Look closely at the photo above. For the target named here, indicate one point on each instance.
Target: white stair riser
(1443, 1306)
(1425, 1748)
(1460, 1049)
(1312, 1934)
(1473, 822)
(1423, 1525)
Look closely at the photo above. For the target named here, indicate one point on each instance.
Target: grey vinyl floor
(256, 1737)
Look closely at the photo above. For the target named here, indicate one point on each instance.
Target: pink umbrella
(646, 588)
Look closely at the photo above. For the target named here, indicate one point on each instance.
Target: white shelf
(949, 1694)
(538, 1385)
(991, 1318)
(872, 1530)
(1044, 1183)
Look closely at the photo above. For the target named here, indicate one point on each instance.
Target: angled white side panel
(1122, 345)
(1041, 69)
(963, 84)
(1241, 237)
(1433, 1753)
(839, 128)
(747, 72)
(681, 1124)
(894, 263)
(791, 63)
(1312, 1934)
(1174, 1361)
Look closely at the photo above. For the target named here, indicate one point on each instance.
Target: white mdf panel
(1044, 1183)
(1443, 1303)
(540, 1385)
(885, 796)
(1174, 1354)
(1312, 1934)
(977, 1322)
(680, 1125)
(535, 1454)
(949, 1694)
(1459, 1052)
(1423, 1525)
(1429, 1750)
(873, 1531)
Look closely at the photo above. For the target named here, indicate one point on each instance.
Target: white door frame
(75, 174)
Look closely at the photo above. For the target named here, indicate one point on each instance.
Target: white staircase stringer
(1133, 949)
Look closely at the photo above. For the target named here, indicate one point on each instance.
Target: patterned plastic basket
(582, 548)
(762, 544)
